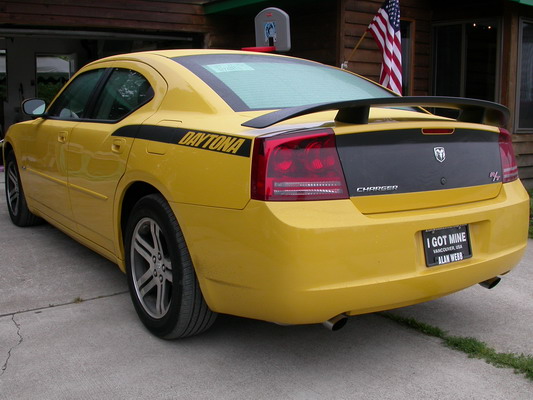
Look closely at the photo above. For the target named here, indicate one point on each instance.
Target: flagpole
(345, 63)
(357, 46)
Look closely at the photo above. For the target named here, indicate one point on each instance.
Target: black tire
(16, 201)
(161, 277)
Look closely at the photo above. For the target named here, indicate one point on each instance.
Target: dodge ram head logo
(440, 153)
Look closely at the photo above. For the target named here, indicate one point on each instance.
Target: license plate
(446, 245)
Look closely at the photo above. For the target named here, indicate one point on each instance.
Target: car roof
(183, 53)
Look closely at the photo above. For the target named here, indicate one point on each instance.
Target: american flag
(385, 27)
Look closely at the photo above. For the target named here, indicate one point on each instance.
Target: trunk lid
(412, 168)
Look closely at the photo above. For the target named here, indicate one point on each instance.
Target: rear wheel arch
(135, 192)
(152, 241)
(8, 148)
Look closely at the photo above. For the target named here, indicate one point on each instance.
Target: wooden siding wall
(144, 15)
(523, 147)
(230, 32)
(357, 15)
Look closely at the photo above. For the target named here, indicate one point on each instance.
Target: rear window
(258, 82)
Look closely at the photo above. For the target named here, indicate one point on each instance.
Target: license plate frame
(446, 245)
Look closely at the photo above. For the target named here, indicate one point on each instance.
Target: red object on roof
(265, 49)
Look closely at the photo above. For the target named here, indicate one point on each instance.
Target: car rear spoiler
(357, 111)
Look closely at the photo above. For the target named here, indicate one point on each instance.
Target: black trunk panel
(405, 161)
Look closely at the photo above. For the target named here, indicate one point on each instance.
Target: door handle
(118, 145)
(62, 137)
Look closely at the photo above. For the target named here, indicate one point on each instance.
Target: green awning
(526, 2)
(244, 6)
(217, 6)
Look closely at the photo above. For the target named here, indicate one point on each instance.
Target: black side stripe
(210, 141)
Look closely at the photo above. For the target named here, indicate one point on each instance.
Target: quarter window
(124, 91)
(73, 102)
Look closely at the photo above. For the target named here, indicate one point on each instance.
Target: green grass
(521, 363)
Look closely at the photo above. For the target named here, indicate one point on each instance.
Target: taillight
(509, 167)
(298, 166)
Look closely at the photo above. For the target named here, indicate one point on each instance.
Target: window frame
(407, 70)
(5, 54)
(517, 129)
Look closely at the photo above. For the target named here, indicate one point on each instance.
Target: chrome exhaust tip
(490, 283)
(336, 323)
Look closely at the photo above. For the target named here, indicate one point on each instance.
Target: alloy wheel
(151, 268)
(12, 188)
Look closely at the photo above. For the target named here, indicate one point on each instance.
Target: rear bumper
(299, 263)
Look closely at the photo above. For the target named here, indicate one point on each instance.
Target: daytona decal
(213, 141)
(184, 137)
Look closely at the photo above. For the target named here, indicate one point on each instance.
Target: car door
(96, 159)
(46, 149)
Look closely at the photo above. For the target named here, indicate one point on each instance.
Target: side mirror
(34, 107)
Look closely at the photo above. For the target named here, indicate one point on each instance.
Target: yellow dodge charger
(268, 187)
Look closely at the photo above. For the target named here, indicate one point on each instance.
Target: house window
(3, 89)
(525, 93)
(466, 61)
(53, 71)
(3, 76)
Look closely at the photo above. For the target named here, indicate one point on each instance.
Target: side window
(73, 102)
(124, 91)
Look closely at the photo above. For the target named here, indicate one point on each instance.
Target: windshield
(257, 82)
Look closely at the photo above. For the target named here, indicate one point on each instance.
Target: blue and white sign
(272, 28)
